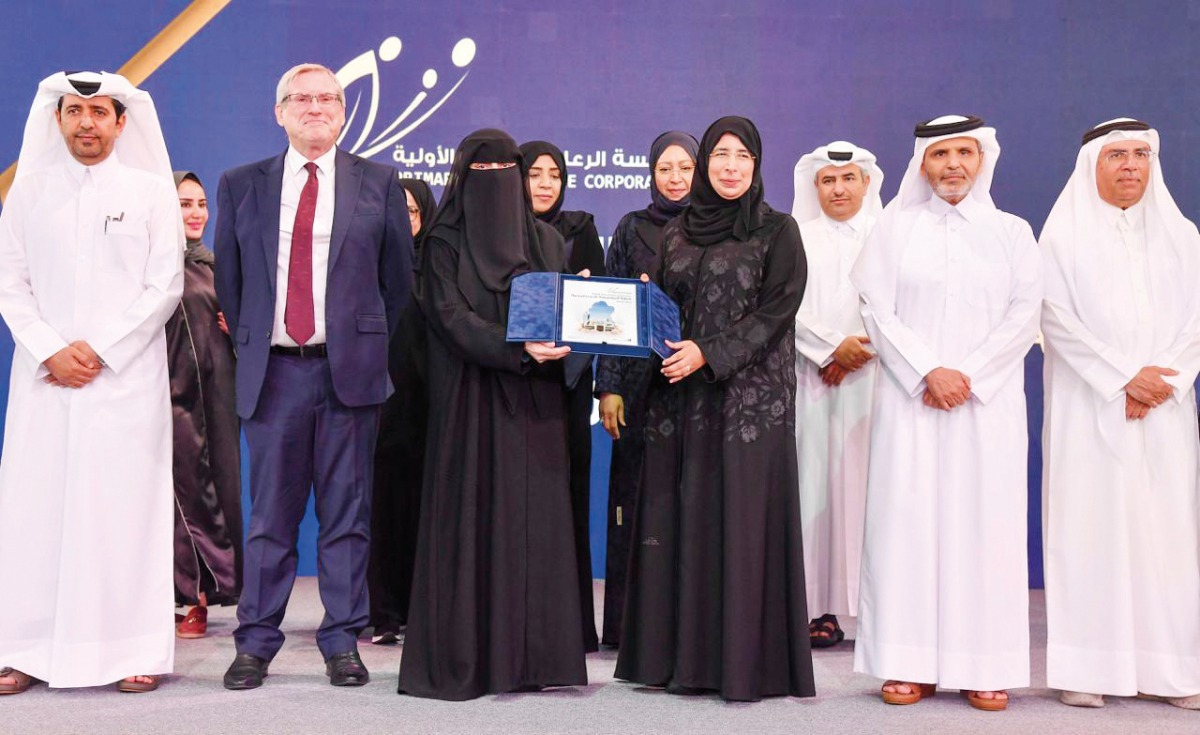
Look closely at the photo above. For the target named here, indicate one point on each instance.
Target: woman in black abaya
(495, 600)
(546, 175)
(207, 448)
(400, 451)
(622, 382)
(716, 581)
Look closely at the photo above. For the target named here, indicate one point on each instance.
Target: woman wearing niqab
(495, 599)
(622, 382)
(582, 250)
(716, 597)
(400, 451)
(206, 433)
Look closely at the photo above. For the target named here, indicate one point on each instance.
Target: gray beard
(948, 192)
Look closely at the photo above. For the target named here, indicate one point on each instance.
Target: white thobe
(833, 424)
(1120, 496)
(86, 501)
(944, 591)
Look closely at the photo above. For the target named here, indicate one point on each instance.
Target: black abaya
(207, 448)
(495, 603)
(632, 252)
(582, 250)
(400, 455)
(495, 600)
(716, 596)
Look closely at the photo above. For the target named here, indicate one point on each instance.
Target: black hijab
(195, 251)
(423, 196)
(487, 218)
(661, 208)
(569, 224)
(711, 218)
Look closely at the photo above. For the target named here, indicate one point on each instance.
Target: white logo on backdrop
(367, 135)
(366, 66)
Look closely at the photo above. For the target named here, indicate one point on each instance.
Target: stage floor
(297, 698)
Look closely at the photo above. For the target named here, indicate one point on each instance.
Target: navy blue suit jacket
(369, 277)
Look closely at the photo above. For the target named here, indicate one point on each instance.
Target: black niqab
(487, 217)
(710, 217)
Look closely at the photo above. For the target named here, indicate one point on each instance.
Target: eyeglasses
(414, 212)
(684, 170)
(326, 99)
(1141, 156)
(724, 154)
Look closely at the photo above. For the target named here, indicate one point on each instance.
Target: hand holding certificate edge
(687, 359)
(547, 351)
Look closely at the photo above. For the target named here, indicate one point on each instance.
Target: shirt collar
(969, 208)
(101, 172)
(294, 161)
(1132, 215)
(855, 225)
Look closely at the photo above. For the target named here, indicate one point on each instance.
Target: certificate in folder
(602, 316)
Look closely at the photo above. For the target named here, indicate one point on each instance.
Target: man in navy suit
(314, 262)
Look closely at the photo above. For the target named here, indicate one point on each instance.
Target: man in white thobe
(91, 258)
(837, 203)
(1122, 325)
(951, 290)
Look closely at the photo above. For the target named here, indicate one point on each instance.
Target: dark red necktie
(298, 313)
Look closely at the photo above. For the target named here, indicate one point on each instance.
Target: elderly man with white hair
(1122, 324)
(91, 268)
(314, 263)
(951, 290)
(837, 203)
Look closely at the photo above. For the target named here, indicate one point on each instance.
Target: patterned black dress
(715, 596)
(633, 251)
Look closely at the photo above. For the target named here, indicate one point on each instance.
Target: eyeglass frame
(324, 100)
(671, 170)
(1121, 155)
(742, 156)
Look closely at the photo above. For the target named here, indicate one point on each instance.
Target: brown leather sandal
(995, 704)
(916, 694)
(21, 683)
(139, 687)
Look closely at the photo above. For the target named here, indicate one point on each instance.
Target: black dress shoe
(346, 670)
(246, 672)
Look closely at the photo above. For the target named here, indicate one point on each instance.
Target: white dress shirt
(294, 178)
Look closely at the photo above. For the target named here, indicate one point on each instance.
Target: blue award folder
(601, 316)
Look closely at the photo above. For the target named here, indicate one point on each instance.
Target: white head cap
(807, 204)
(141, 144)
(914, 189)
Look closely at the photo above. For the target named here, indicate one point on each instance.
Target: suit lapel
(269, 187)
(347, 182)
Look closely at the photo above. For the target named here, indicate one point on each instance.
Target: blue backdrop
(602, 79)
